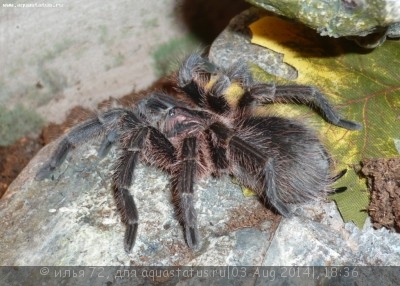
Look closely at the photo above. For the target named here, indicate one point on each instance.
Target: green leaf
(363, 87)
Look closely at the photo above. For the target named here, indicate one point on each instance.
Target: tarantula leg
(194, 69)
(107, 143)
(123, 176)
(83, 132)
(215, 98)
(136, 140)
(56, 159)
(240, 72)
(338, 190)
(337, 177)
(127, 207)
(266, 93)
(194, 66)
(271, 190)
(248, 157)
(185, 181)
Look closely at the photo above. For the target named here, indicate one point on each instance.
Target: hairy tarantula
(212, 131)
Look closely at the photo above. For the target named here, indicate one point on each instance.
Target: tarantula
(212, 131)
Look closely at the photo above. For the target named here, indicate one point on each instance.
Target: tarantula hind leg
(271, 189)
(267, 93)
(83, 132)
(244, 155)
(337, 177)
(184, 180)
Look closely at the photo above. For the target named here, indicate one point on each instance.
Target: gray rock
(366, 22)
(326, 240)
(233, 45)
(72, 219)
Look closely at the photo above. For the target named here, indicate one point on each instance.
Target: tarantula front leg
(206, 84)
(123, 176)
(267, 93)
(137, 139)
(193, 76)
(184, 180)
(92, 128)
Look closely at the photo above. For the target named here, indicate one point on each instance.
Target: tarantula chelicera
(212, 131)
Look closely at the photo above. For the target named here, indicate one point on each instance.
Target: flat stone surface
(72, 219)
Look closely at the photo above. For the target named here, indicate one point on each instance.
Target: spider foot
(338, 190)
(337, 177)
(350, 125)
(192, 237)
(340, 175)
(44, 172)
(127, 207)
(130, 236)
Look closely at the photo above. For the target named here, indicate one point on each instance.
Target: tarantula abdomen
(297, 163)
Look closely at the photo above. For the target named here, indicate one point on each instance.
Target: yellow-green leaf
(364, 87)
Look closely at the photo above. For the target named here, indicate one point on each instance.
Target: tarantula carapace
(212, 131)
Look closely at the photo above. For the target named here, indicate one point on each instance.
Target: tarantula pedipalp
(212, 131)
